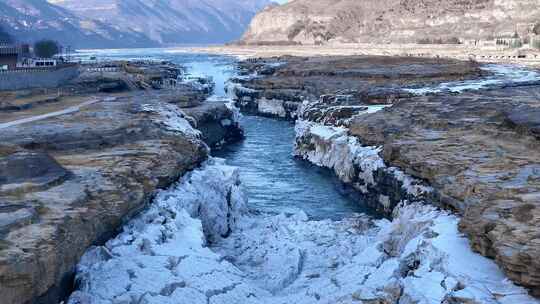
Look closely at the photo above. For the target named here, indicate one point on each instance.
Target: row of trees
(44, 48)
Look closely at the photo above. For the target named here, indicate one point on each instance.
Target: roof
(9, 50)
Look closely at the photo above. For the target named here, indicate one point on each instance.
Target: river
(274, 180)
(259, 226)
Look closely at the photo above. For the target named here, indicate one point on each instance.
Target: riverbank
(70, 180)
(495, 54)
(474, 153)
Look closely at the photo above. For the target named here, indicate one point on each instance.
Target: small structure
(37, 63)
(11, 55)
(8, 57)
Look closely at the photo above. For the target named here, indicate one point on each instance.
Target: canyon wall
(396, 21)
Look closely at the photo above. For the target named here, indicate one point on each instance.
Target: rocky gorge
(125, 188)
(465, 144)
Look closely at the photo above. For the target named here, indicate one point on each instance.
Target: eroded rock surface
(277, 86)
(70, 181)
(482, 157)
(385, 21)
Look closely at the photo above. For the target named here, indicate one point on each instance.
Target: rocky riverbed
(473, 153)
(70, 179)
(123, 187)
(199, 243)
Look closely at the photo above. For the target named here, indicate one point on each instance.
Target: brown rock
(473, 150)
(70, 181)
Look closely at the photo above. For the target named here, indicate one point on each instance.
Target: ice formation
(197, 243)
(172, 118)
(502, 74)
(272, 107)
(333, 148)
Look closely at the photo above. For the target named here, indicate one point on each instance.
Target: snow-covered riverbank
(198, 243)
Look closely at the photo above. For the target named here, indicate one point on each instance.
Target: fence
(102, 69)
(28, 78)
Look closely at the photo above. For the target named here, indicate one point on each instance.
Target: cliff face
(384, 21)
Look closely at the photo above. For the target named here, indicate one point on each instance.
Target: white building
(37, 63)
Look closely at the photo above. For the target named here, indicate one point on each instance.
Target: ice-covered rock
(272, 107)
(355, 164)
(197, 244)
(172, 118)
(162, 255)
(418, 257)
(511, 75)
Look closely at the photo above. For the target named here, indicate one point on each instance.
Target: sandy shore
(461, 52)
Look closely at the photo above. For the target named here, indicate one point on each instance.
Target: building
(37, 63)
(9, 56)
(12, 55)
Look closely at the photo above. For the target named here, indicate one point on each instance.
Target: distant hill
(384, 21)
(31, 20)
(128, 23)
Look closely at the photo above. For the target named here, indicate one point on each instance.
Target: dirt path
(68, 110)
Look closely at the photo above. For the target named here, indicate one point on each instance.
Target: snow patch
(172, 118)
(271, 106)
(502, 74)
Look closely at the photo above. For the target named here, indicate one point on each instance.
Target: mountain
(385, 21)
(171, 21)
(31, 20)
(128, 23)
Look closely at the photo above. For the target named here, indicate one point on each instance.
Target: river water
(274, 180)
(322, 253)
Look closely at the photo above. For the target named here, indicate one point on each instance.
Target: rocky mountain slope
(123, 23)
(384, 21)
(30, 20)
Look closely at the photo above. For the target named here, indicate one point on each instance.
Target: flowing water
(274, 180)
(220, 68)
(335, 257)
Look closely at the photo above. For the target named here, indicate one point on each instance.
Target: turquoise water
(274, 180)
(277, 182)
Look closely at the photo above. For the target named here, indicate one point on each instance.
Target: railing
(39, 69)
(26, 78)
(102, 69)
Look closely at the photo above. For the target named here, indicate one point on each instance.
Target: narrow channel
(274, 180)
(302, 238)
(277, 182)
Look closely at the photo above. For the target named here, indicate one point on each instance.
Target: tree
(46, 48)
(5, 37)
(536, 28)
